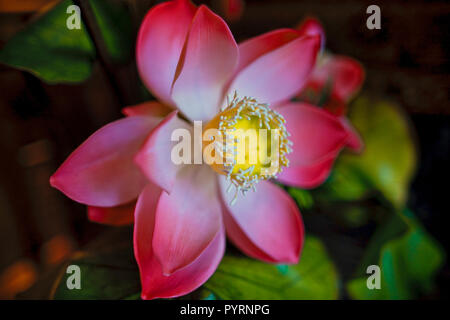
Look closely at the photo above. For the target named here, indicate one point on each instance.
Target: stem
(88, 17)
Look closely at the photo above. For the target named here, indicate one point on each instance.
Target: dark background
(407, 62)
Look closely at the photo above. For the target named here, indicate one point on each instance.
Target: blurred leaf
(116, 27)
(408, 261)
(387, 162)
(314, 277)
(111, 274)
(49, 50)
(350, 214)
(303, 198)
(344, 184)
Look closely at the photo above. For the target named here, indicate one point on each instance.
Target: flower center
(248, 142)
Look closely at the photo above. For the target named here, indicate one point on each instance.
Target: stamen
(248, 113)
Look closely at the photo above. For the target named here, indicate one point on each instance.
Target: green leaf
(104, 275)
(303, 198)
(345, 183)
(108, 269)
(116, 28)
(349, 214)
(49, 50)
(315, 277)
(408, 261)
(387, 162)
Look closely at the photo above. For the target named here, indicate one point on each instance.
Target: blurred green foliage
(408, 258)
(387, 162)
(52, 52)
(303, 198)
(106, 273)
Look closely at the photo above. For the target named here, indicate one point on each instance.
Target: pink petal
(354, 141)
(265, 224)
(211, 55)
(144, 224)
(242, 241)
(101, 171)
(154, 283)
(149, 108)
(187, 219)
(253, 48)
(160, 41)
(316, 134)
(312, 26)
(154, 158)
(306, 176)
(347, 76)
(114, 216)
(279, 74)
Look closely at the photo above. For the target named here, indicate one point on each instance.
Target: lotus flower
(188, 58)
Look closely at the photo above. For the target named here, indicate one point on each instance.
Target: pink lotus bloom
(188, 58)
